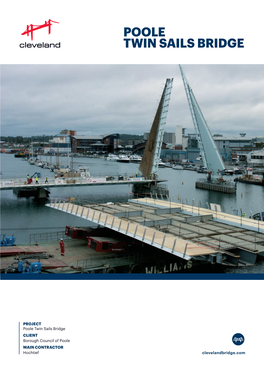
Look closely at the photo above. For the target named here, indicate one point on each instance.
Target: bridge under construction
(189, 233)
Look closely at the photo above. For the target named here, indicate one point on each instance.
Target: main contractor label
(34, 337)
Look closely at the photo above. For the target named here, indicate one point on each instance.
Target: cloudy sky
(103, 99)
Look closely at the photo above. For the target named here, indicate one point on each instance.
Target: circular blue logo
(238, 339)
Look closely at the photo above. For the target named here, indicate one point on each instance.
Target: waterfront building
(139, 148)
(256, 158)
(59, 144)
(173, 155)
(179, 131)
(236, 147)
(99, 144)
(168, 137)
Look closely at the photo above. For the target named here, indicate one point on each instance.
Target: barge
(250, 178)
(100, 255)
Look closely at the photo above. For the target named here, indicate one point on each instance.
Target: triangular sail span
(210, 154)
(150, 159)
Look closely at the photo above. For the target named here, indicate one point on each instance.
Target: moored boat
(250, 178)
(134, 158)
(21, 155)
(123, 158)
(84, 171)
(32, 161)
(112, 157)
(177, 167)
(161, 164)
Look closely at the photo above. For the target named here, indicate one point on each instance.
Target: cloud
(100, 99)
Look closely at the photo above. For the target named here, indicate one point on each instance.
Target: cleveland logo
(31, 28)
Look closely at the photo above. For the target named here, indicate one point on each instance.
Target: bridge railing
(22, 182)
(46, 237)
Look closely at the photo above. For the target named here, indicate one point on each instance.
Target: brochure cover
(132, 163)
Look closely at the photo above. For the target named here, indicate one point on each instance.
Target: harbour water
(24, 216)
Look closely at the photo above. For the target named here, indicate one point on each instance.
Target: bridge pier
(39, 193)
(223, 187)
(151, 188)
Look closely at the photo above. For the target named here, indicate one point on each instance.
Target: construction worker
(46, 180)
(27, 178)
(244, 215)
(36, 180)
(62, 247)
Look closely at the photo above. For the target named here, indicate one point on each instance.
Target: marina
(180, 183)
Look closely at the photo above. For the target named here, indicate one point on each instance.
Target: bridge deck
(184, 231)
(60, 182)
